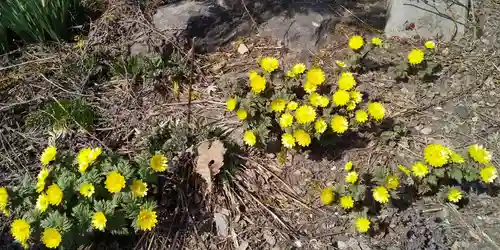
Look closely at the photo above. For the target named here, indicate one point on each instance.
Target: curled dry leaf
(210, 160)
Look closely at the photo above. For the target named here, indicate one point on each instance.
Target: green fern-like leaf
(56, 220)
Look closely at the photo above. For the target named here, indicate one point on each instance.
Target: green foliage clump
(38, 20)
(78, 196)
(63, 114)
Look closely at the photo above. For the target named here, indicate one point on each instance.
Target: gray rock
(300, 31)
(211, 24)
(442, 19)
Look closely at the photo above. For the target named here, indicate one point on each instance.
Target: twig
(250, 15)
(61, 88)
(28, 62)
(496, 67)
(276, 217)
(192, 102)
(19, 103)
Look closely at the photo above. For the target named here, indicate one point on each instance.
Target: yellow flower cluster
(56, 186)
(301, 117)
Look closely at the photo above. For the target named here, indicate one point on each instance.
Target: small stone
(243, 245)
(341, 245)
(221, 224)
(426, 131)
(242, 49)
(269, 238)
(298, 243)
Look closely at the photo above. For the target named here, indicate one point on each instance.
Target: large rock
(300, 31)
(433, 19)
(211, 24)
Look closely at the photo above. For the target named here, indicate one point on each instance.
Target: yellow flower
(269, 64)
(54, 194)
(350, 106)
(286, 120)
(288, 140)
(356, 96)
(416, 56)
(339, 124)
(346, 81)
(456, 158)
(420, 170)
(376, 110)
(87, 190)
(42, 176)
(305, 114)
(278, 105)
(4, 200)
(361, 116)
(231, 103)
(381, 194)
(488, 174)
(146, 219)
(257, 83)
(327, 196)
(351, 177)
(341, 97)
(315, 76)
(139, 188)
(249, 138)
(86, 157)
(430, 44)
(290, 74)
(320, 126)
(436, 155)
(241, 114)
(392, 182)
(20, 230)
(99, 221)
(454, 195)
(310, 87)
(48, 155)
(315, 99)
(346, 202)
(405, 170)
(323, 101)
(115, 182)
(291, 106)
(42, 202)
(158, 163)
(362, 224)
(341, 64)
(302, 137)
(377, 41)
(356, 42)
(299, 68)
(348, 166)
(479, 154)
(51, 238)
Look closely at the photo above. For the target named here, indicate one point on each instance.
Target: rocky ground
(265, 205)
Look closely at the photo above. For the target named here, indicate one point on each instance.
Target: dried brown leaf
(210, 160)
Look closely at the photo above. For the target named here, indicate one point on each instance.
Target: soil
(264, 204)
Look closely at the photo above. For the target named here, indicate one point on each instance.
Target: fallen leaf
(221, 224)
(210, 160)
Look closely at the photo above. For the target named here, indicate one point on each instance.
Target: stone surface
(300, 31)
(433, 19)
(211, 24)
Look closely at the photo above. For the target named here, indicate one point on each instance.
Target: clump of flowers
(303, 107)
(441, 171)
(78, 195)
